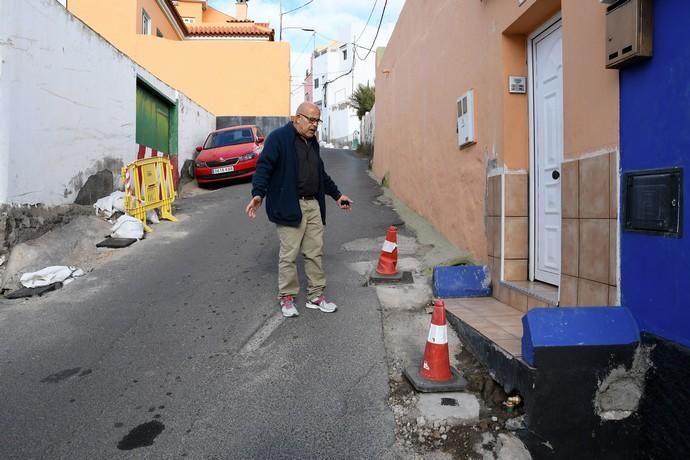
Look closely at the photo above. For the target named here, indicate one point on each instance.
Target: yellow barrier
(149, 185)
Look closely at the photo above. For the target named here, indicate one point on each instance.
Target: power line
(375, 36)
(340, 41)
(371, 13)
(299, 7)
(302, 51)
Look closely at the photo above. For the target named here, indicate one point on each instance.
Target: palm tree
(363, 99)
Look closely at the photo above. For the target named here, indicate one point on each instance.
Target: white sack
(107, 205)
(49, 275)
(127, 227)
(152, 216)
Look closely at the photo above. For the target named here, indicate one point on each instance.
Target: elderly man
(291, 176)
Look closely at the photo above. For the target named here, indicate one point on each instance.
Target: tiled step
(496, 321)
(525, 295)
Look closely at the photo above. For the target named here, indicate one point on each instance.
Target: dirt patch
(459, 441)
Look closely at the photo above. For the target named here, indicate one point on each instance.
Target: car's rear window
(232, 137)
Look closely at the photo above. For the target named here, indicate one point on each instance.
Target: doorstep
(538, 293)
(496, 321)
(492, 331)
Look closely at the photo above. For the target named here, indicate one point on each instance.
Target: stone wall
(23, 223)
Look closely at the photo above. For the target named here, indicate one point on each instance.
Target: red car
(229, 153)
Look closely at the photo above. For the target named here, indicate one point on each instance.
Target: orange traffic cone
(388, 260)
(435, 373)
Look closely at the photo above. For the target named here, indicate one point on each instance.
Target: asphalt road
(177, 349)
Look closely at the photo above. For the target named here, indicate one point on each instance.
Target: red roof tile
(230, 29)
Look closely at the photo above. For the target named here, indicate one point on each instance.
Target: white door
(547, 150)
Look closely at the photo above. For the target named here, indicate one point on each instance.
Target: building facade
(231, 66)
(512, 151)
(336, 73)
(655, 147)
(76, 106)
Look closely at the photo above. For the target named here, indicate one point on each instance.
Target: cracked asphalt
(173, 348)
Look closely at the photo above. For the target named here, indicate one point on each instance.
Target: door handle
(555, 174)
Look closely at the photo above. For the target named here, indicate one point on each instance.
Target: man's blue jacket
(276, 178)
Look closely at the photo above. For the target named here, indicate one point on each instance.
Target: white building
(336, 73)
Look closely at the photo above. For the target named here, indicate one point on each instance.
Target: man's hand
(254, 204)
(344, 202)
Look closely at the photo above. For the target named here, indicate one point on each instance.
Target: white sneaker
(287, 306)
(322, 304)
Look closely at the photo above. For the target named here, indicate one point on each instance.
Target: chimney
(241, 10)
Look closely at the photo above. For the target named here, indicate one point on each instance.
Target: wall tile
(568, 291)
(613, 183)
(570, 182)
(533, 302)
(489, 236)
(517, 300)
(501, 292)
(495, 270)
(592, 294)
(516, 238)
(594, 250)
(517, 193)
(491, 196)
(594, 187)
(613, 296)
(496, 237)
(570, 246)
(515, 270)
(613, 252)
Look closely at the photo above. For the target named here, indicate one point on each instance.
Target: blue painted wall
(655, 133)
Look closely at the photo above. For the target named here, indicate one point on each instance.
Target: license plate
(224, 169)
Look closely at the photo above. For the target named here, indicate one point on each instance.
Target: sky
(341, 20)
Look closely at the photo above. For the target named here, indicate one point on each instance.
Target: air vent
(652, 201)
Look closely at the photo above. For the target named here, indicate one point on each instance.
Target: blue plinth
(462, 281)
(573, 327)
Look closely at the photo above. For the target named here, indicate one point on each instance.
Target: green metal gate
(153, 120)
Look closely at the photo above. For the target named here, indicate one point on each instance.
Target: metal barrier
(149, 184)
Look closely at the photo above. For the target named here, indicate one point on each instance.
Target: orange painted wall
(227, 77)
(192, 10)
(443, 48)
(158, 19)
(114, 21)
(591, 95)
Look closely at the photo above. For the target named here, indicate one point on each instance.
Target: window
(159, 33)
(231, 137)
(188, 20)
(316, 83)
(145, 23)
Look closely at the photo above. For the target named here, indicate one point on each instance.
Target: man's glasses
(313, 121)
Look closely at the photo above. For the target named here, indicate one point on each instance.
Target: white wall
(8, 17)
(69, 105)
(340, 120)
(368, 127)
(195, 124)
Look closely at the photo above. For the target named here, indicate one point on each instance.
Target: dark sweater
(276, 178)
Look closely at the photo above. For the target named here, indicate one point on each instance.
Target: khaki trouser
(309, 238)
